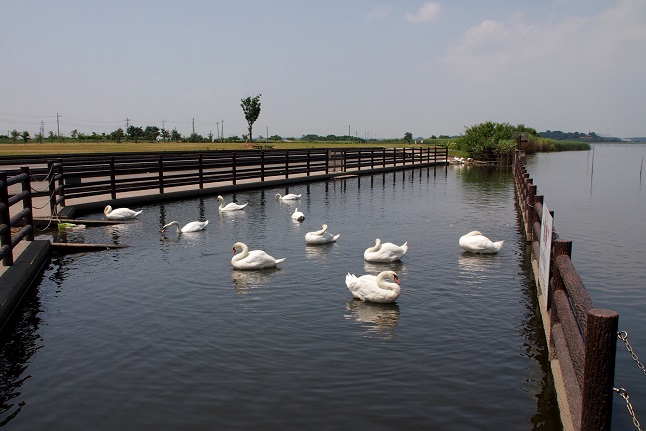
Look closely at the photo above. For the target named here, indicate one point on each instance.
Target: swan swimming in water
(254, 259)
(193, 226)
(385, 252)
(231, 206)
(287, 197)
(321, 236)
(297, 215)
(475, 242)
(374, 288)
(120, 213)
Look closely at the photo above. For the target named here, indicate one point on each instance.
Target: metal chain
(624, 394)
(623, 336)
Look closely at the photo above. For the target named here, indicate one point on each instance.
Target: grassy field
(19, 149)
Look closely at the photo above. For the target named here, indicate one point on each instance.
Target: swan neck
(243, 253)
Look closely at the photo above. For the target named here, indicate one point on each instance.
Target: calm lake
(165, 334)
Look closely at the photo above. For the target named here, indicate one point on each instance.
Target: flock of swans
(383, 288)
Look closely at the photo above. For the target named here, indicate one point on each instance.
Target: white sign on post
(545, 252)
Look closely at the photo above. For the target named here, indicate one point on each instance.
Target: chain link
(624, 394)
(623, 336)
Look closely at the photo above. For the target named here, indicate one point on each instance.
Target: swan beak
(396, 279)
(234, 250)
(163, 230)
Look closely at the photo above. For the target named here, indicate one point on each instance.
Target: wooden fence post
(233, 167)
(113, 179)
(308, 162)
(599, 371)
(5, 219)
(161, 174)
(262, 166)
(286, 164)
(26, 202)
(201, 170)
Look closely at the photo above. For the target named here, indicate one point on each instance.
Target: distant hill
(577, 136)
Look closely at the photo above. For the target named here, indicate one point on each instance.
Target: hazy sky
(374, 68)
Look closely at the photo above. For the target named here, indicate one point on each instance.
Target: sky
(372, 69)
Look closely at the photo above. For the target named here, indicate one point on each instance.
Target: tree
(251, 109)
(51, 136)
(408, 137)
(151, 133)
(25, 136)
(14, 135)
(135, 133)
(175, 135)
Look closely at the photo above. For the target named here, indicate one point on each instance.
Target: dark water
(599, 202)
(166, 335)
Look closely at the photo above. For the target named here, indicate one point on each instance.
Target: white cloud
(379, 12)
(427, 13)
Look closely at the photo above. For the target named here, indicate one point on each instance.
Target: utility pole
(222, 122)
(127, 126)
(58, 127)
(193, 125)
(217, 125)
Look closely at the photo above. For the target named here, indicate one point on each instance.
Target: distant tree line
(577, 136)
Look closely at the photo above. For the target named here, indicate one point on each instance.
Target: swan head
(278, 196)
(238, 246)
(389, 274)
(107, 210)
(324, 228)
(220, 198)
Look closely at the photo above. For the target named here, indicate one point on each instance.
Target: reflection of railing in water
(581, 338)
(113, 175)
(23, 218)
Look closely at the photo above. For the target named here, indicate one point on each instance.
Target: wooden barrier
(23, 218)
(80, 177)
(581, 338)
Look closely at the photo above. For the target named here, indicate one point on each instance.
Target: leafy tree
(117, 135)
(151, 133)
(165, 134)
(14, 135)
(39, 137)
(251, 108)
(491, 138)
(74, 134)
(25, 136)
(175, 135)
(51, 136)
(195, 137)
(135, 133)
(408, 137)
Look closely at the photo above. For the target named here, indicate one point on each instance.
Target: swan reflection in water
(375, 317)
(243, 280)
(375, 268)
(319, 252)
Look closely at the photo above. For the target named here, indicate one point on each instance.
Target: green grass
(44, 148)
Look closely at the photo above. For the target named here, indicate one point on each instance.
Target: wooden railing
(23, 218)
(79, 177)
(581, 338)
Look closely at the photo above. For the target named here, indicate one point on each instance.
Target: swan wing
(388, 252)
(256, 259)
(123, 214)
(195, 226)
(478, 243)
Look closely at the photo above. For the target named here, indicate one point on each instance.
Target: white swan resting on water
(231, 206)
(120, 213)
(287, 197)
(475, 242)
(374, 288)
(254, 259)
(297, 215)
(321, 236)
(193, 226)
(385, 252)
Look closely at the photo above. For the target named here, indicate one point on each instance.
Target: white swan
(254, 259)
(193, 226)
(475, 242)
(321, 236)
(298, 216)
(287, 197)
(231, 206)
(373, 288)
(386, 252)
(120, 213)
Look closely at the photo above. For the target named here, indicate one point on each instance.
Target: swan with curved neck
(231, 206)
(297, 215)
(385, 252)
(120, 213)
(254, 259)
(287, 197)
(193, 226)
(373, 288)
(321, 236)
(475, 242)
